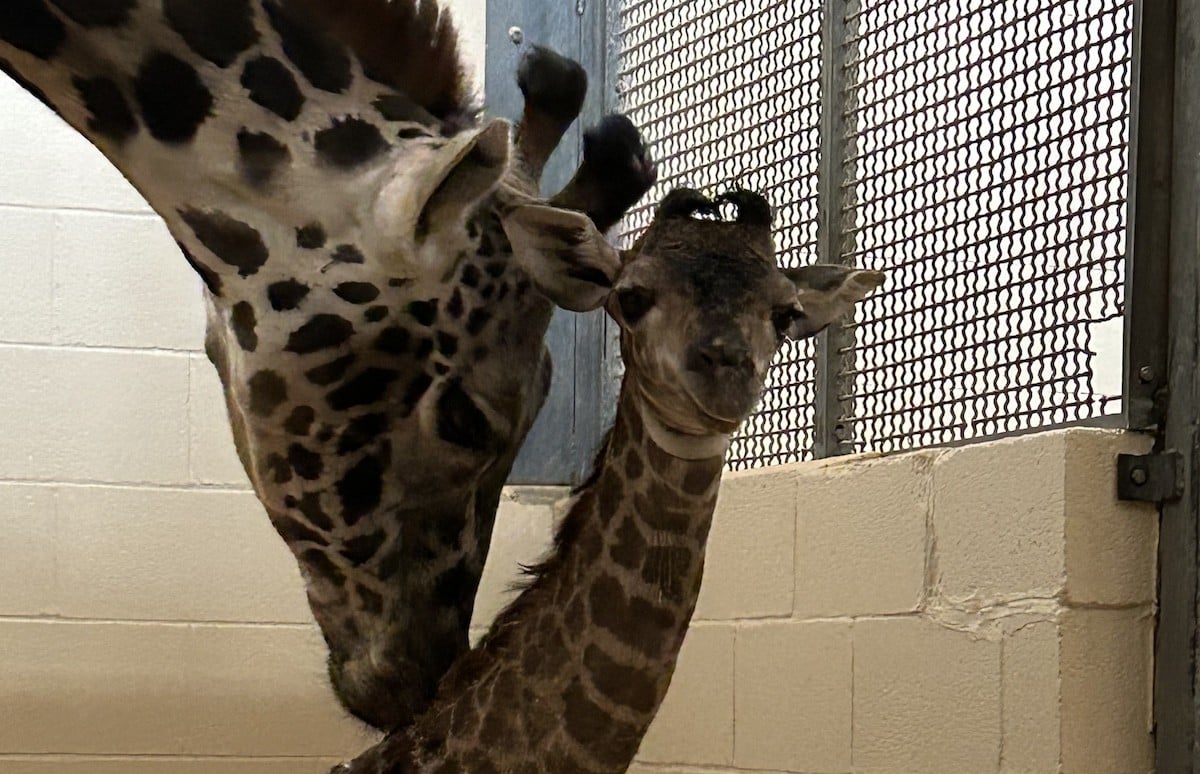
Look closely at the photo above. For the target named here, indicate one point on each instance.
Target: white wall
(470, 17)
(981, 610)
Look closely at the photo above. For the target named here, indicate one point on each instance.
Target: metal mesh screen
(728, 92)
(988, 147)
(986, 158)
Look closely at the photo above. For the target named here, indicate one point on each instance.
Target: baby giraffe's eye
(784, 317)
(635, 303)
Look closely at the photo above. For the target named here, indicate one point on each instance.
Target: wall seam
(853, 698)
(60, 620)
(795, 542)
(63, 209)
(737, 630)
(145, 486)
(1003, 738)
(25, 346)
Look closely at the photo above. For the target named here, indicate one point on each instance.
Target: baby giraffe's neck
(623, 584)
(573, 672)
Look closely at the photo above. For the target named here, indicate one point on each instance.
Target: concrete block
(190, 690)
(28, 518)
(926, 699)
(861, 536)
(523, 536)
(793, 690)
(27, 249)
(1111, 546)
(749, 565)
(109, 765)
(1031, 690)
(121, 281)
(1107, 679)
(695, 724)
(213, 458)
(174, 555)
(95, 416)
(998, 518)
(51, 165)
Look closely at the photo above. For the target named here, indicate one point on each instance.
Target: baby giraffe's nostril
(720, 353)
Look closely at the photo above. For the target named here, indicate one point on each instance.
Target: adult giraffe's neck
(253, 133)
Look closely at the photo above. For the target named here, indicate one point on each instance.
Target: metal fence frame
(1143, 350)
(573, 421)
(831, 437)
(1162, 385)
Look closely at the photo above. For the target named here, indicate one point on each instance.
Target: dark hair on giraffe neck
(410, 45)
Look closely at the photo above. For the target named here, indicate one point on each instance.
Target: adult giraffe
(380, 346)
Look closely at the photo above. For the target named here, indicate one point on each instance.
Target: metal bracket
(1149, 478)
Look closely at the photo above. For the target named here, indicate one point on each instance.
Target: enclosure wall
(972, 611)
(986, 609)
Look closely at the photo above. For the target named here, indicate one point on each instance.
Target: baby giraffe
(571, 674)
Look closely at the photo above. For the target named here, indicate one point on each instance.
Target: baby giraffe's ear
(826, 293)
(567, 258)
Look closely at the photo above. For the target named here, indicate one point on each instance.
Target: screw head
(1139, 476)
(516, 35)
(1146, 374)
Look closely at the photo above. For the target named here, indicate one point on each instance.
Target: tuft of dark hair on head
(752, 208)
(686, 203)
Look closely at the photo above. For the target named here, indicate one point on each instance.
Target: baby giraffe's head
(702, 305)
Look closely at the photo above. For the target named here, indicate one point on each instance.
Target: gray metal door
(560, 447)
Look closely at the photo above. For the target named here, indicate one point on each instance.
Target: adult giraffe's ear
(564, 254)
(827, 293)
(436, 186)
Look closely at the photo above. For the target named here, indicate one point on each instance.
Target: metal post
(834, 353)
(601, 32)
(1149, 196)
(1170, 34)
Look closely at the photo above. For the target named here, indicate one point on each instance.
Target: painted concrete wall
(975, 611)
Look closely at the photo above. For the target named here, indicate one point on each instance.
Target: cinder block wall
(972, 611)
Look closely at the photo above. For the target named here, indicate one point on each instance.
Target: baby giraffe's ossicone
(572, 673)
